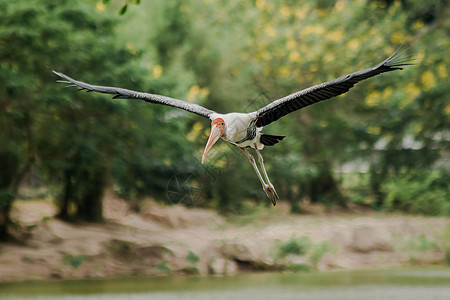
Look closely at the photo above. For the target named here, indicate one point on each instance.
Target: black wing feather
(327, 90)
(129, 94)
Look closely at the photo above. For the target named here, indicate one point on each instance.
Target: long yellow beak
(216, 132)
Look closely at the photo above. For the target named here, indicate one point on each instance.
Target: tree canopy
(392, 130)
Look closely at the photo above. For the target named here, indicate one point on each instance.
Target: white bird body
(244, 129)
(237, 131)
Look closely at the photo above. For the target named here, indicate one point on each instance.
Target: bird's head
(217, 130)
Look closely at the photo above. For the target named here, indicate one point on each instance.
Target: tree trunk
(89, 203)
(5, 221)
(11, 174)
(325, 189)
(66, 196)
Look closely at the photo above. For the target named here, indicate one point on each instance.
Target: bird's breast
(240, 128)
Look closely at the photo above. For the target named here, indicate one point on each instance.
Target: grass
(302, 247)
(419, 243)
(299, 268)
(164, 267)
(74, 260)
(319, 251)
(295, 246)
(192, 260)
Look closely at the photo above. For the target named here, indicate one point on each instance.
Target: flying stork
(244, 130)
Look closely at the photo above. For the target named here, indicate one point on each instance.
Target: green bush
(192, 267)
(296, 246)
(164, 267)
(74, 260)
(418, 193)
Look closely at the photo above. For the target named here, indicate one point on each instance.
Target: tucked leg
(271, 189)
(251, 159)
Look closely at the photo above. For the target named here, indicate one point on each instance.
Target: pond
(389, 284)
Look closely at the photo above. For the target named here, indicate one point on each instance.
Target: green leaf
(123, 10)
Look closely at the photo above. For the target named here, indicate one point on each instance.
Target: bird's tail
(270, 140)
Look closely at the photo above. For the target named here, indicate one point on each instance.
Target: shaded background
(384, 145)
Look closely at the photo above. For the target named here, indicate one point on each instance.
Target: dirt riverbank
(176, 240)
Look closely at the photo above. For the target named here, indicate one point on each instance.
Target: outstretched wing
(129, 94)
(327, 90)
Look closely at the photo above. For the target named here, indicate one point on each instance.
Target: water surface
(366, 285)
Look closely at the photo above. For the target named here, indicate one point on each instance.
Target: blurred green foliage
(164, 267)
(418, 192)
(192, 260)
(294, 246)
(74, 260)
(312, 253)
(228, 56)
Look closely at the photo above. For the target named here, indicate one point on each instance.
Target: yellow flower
(442, 71)
(313, 29)
(428, 80)
(387, 92)
(418, 24)
(284, 71)
(294, 56)
(374, 130)
(157, 71)
(397, 37)
(100, 6)
(285, 11)
(353, 44)
(196, 92)
(131, 48)
(394, 7)
(418, 128)
(372, 99)
(313, 67)
(204, 92)
(405, 102)
(193, 93)
(195, 131)
(291, 44)
(260, 4)
(335, 35)
(412, 90)
(339, 5)
(329, 57)
(447, 109)
(302, 12)
(270, 31)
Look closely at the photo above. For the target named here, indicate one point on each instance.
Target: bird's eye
(222, 123)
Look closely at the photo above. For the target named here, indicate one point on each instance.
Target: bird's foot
(271, 193)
